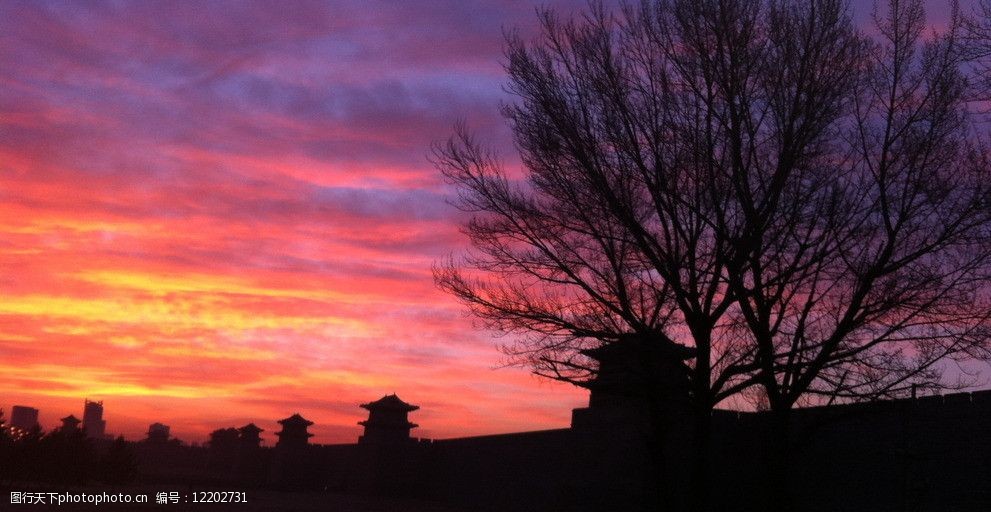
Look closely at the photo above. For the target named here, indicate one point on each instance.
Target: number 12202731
(219, 497)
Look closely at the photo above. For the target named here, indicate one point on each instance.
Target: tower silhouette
(249, 435)
(93, 423)
(158, 433)
(387, 421)
(70, 423)
(293, 433)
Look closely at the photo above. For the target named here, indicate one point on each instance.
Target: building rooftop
(390, 402)
(630, 347)
(295, 419)
(251, 427)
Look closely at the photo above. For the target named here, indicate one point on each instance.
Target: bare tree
(977, 44)
(878, 243)
(867, 265)
(756, 191)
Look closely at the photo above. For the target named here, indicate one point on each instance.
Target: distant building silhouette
(387, 421)
(158, 433)
(70, 423)
(293, 433)
(93, 423)
(224, 440)
(623, 366)
(249, 436)
(24, 417)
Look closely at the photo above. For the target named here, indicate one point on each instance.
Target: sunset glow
(219, 214)
(215, 213)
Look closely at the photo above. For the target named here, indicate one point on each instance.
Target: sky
(215, 213)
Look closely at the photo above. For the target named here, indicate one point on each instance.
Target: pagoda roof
(390, 402)
(629, 347)
(295, 419)
(157, 426)
(251, 427)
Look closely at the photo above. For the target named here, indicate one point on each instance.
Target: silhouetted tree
(118, 464)
(802, 208)
(223, 447)
(977, 39)
(26, 461)
(870, 269)
(877, 243)
(65, 456)
(224, 440)
(6, 451)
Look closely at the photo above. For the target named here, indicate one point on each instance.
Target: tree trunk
(662, 492)
(681, 475)
(780, 497)
(700, 486)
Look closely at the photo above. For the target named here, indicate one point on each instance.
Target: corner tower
(387, 421)
(294, 433)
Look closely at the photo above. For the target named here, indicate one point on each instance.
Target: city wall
(926, 454)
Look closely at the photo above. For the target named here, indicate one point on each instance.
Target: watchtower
(635, 375)
(70, 423)
(387, 421)
(249, 435)
(293, 433)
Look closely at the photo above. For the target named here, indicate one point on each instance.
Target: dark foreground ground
(256, 501)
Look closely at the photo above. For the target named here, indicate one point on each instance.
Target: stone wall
(929, 454)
